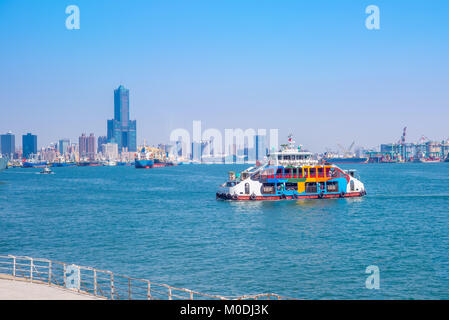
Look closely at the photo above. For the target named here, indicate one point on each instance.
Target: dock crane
(347, 151)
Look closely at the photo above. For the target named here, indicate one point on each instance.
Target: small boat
(46, 170)
(429, 160)
(291, 173)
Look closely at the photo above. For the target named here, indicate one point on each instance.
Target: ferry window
(311, 187)
(230, 184)
(291, 186)
(352, 185)
(331, 173)
(267, 188)
(320, 172)
(312, 173)
(288, 172)
(300, 173)
(332, 186)
(295, 173)
(306, 172)
(268, 174)
(286, 157)
(279, 157)
(246, 188)
(279, 173)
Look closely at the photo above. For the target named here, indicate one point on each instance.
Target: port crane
(347, 151)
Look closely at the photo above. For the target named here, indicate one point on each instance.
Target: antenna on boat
(291, 141)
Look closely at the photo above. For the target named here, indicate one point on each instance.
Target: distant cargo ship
(144, 164)
(149, 157)
(34, 164)
(346, 159)
(63, 164)
(89, 164)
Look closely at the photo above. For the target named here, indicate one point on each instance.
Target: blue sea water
(165, 225)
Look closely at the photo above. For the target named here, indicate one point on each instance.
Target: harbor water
(165, 225)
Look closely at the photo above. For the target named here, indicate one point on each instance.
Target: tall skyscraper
(121, 130)
(87, 146)
(63, 145)
(29, 145)
(8, 144)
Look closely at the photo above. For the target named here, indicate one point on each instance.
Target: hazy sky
(307, 67)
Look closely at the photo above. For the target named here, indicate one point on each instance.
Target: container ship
(149, 157)
(291, 174)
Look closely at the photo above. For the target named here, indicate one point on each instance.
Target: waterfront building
(8, 145)
(110, 151)
(63, 145)
(29, 145)
(87, 146)
(101, 141)
(121, 130)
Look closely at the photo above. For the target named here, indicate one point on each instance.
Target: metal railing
(101, 283)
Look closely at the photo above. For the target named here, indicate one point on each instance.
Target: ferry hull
(227, 197)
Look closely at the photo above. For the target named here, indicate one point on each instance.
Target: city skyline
(312, 69)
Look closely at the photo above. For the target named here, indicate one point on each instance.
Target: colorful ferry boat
(291, 174)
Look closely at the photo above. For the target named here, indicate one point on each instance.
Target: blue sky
(306, 67)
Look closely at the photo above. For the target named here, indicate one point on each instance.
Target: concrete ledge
(22, 289)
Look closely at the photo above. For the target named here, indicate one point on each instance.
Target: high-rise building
(63, 145)
(110, 151)
(196, 151)
(101, 141)
(260, 146)
(29, 145)
(8, 144)
(87, 147)
(121, 130)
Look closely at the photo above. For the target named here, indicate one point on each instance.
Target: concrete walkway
(23, 290)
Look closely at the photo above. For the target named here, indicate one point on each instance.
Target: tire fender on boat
(321, 195)
(342, 194)
(252, 197)
(234, 197)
